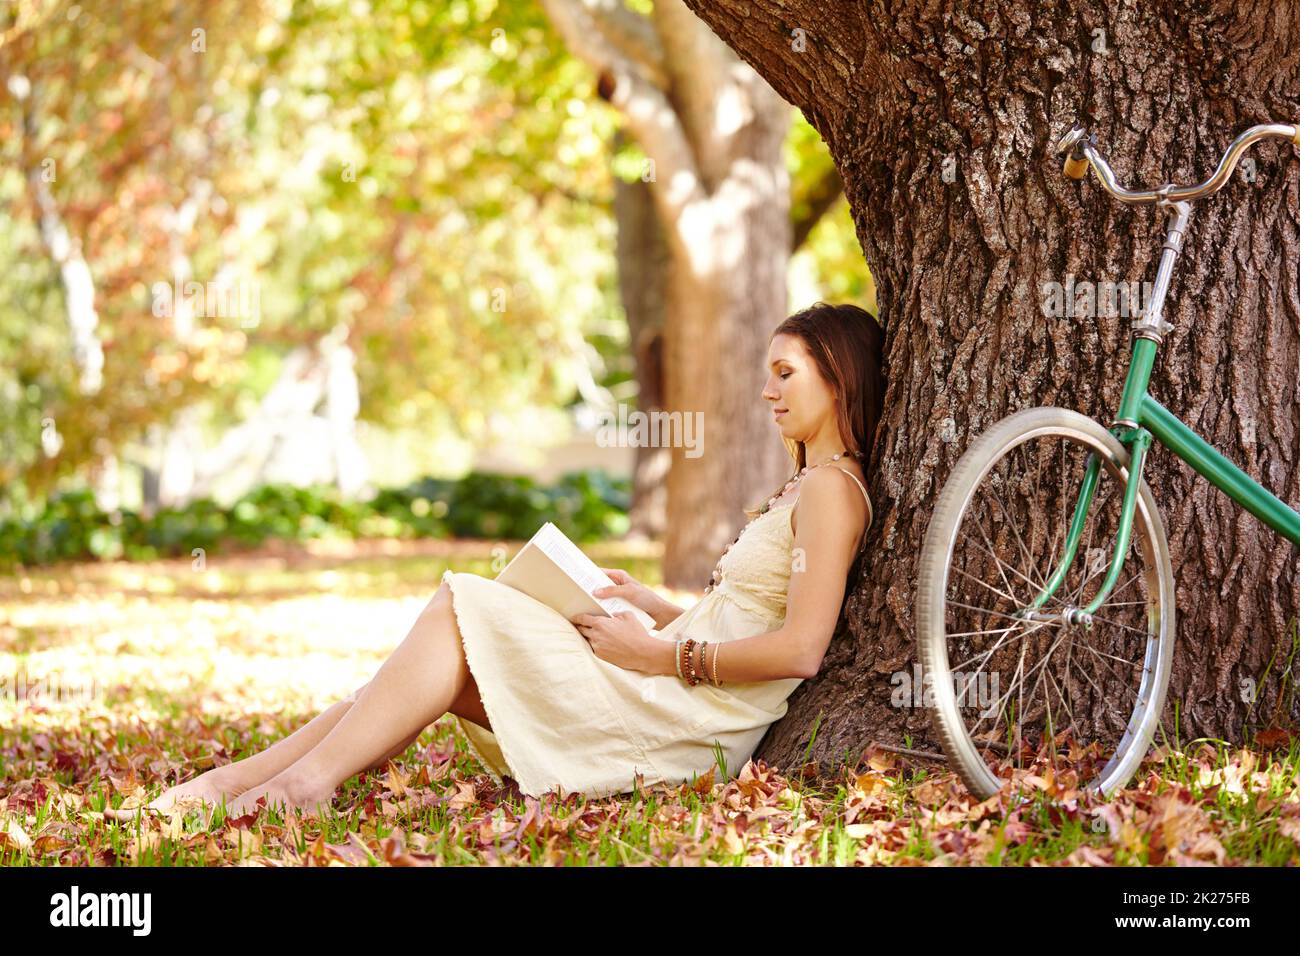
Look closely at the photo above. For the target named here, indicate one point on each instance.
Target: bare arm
(646, 598)
(665, 613)
(824, 547)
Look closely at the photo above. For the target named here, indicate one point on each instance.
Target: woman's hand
(621, 640)
(638, 595)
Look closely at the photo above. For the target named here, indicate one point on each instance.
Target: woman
(557, 712)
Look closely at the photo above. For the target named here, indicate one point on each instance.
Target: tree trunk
(252, 448)
(713, 132)
(63, 248)
(941, 119)
(181, 440)
(716, 350)
(341, 410)
(642, 256)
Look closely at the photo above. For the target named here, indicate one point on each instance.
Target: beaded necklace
(714, 578)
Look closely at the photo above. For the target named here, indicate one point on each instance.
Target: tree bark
(941, 118)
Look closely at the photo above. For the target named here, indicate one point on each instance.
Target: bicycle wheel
(1008, 692)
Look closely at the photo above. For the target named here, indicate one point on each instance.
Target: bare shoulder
(827, 498)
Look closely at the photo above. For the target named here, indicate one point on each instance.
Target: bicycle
(1110, 698)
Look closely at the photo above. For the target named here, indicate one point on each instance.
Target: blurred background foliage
(585, 505)
(430, 182)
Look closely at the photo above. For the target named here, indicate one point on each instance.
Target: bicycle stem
(1149, 330)
(1149, 325)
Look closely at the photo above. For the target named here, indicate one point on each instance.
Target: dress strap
(870, 510)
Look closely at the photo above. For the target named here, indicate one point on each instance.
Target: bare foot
(281, 794)
(206, 788)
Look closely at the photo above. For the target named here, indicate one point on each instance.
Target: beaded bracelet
(685, 650)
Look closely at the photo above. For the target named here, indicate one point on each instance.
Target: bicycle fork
(1140, 440)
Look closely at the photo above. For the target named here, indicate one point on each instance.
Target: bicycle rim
(1014, 695)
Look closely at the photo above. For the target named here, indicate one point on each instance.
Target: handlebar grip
(1076, 168)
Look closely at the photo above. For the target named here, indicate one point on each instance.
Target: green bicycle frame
(1142, 420)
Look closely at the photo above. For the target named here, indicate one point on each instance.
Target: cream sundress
(566, 720)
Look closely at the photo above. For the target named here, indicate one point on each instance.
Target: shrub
(586, 505)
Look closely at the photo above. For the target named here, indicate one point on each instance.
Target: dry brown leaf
(13, 837)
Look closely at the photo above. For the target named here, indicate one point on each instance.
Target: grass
(156, 671)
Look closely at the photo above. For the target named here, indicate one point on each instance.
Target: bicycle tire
(933, 638)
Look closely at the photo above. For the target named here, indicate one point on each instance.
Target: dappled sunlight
(250, 634)
(131, 693)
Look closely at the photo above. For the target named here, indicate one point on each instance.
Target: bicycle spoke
(1009, 568)
(1041, 665)
(1056, 549)
(1095, 686)
(1014, 530)
(1075, 598)
(1033, 511)
(986, 654)
(1074, 726)
(995, 630)
(985, 610)
(1135, 577)
(1024, 694)
(998, 560)
(1127, 627)
(1111, 656)
(1065, 679)
(1020, 708)
(1101, 658)
(985, 584)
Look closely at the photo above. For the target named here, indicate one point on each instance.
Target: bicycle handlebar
(1080, 150)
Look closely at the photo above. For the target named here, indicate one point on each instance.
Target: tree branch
(799, 47)
(650, 117)
(633, 35)
(66, 254)
(702, 61)
(818, 201)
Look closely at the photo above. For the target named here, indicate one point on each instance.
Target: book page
(571, 559)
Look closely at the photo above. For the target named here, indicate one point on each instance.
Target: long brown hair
(847, 343)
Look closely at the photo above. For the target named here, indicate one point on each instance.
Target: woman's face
(801, 399)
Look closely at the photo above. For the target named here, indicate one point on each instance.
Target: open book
(552, 569)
